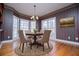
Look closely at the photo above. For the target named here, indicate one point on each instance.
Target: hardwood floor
(59, 49)
(7, 50)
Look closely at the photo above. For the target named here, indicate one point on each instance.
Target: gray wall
(7, 24)
(63, 33)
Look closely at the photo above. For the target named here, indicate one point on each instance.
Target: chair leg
(48, 45)
(37, 46)
(26, 43)
(43, 47)
(22, 47)
(30, 46)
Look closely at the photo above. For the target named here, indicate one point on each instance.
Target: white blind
(15, 26)
(24, 24)
(32, 25)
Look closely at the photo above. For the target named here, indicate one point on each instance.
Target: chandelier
(34, 17)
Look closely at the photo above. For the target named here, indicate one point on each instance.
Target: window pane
(44, 25)
(32, 25)
(27, 25)
(15, 26)
(24, 24)
(48, 23)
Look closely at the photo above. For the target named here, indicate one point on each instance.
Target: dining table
(34, 37)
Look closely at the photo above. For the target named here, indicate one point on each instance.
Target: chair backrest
(21, 36)
(46, 35)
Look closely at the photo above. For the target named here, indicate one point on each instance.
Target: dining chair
(45, 38)
(40, 36)
(23, 40)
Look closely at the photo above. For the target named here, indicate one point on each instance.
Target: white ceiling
(41, 8)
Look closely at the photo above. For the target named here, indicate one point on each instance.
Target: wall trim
(18, 14)
(56, 40)
(52, 14)
(67, 42)
(0, 44)
(6, 41)
(49, 15)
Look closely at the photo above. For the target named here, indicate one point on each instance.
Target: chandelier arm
(34, 17)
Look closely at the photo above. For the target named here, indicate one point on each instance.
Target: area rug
(33, 52)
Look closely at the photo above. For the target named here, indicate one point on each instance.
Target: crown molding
(49, 15)
(17, 13)
(52, 14)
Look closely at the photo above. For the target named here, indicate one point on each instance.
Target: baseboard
(6, 41)
(0, 45)
(67, 42)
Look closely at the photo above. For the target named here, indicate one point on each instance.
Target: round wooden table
(34, 37)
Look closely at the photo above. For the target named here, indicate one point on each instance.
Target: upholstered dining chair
(45, 38)
(41, 36)
(23, 40)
